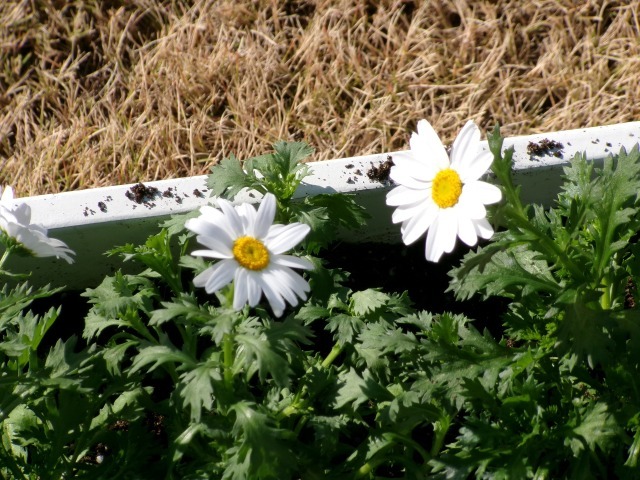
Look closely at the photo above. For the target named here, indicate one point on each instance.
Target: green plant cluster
(165, 381)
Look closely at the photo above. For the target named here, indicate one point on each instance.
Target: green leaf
(327, 215)
(118, 293)
(227, 178)
(198, 389)
(175, 224)
(597, 428)
(257, 351)
(367, 301)
(263, 450)
(519, 272)
(356, 390)
(157, 355)
(345, 327)
(157, 255)
(185, 308)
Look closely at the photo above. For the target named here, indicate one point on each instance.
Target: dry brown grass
(97, 92)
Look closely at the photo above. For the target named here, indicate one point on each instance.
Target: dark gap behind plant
(394, 267)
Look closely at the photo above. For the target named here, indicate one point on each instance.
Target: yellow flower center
(446, 188)
(251, 253)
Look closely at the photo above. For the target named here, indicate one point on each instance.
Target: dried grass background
(98, 92)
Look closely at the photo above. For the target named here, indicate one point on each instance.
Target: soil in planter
(398, 268)
(390, 267)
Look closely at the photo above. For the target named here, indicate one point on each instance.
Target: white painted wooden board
(95, 220)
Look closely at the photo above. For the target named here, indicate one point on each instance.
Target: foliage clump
(165, 381)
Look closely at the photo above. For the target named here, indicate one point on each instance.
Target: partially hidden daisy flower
(15, 223)
(440, 195)
(251, 253)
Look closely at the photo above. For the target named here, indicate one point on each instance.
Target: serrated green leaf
(227, 178)
(259, 352)
(367, 301)
(263, 450)
(520, 272)
(186, 308)
(198, 388)
(356, 390)
(157, 355)
(597, 428)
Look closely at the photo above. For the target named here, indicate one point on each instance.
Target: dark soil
(398, 268)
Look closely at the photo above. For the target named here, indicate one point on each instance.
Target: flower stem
(5, 255)
(333, 354)
(227, 349)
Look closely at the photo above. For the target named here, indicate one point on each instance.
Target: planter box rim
(93, 220)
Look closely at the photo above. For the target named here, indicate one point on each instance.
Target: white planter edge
(95, 220)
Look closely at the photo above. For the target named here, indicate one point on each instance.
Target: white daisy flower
(15, 222)
(250, 249)
(442, 196)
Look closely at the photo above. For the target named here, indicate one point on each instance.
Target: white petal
(23, 214)
(298, 284)
(220, 247)
(406, 177)
(483, 228)
(284, 238)
(210, 213)
(475, 166)
(253, 287)
(420, 168)
(441, 237)
(449, 230)
(288, 284)
(467, 231)
(465, 147)
(234, 222)
(427, 147)
(247, 215)
(275, 300)
(210, 254)
(281, 283)
(292, 262)
(483, 192)
(413, 228)
(7, 194)
(469, 206)
(402, 195)
(404, 213)
(240, 289)
(205, 227)
(216, 276)
(214, 216)
(266, 215)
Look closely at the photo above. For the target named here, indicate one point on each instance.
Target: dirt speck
(546, 147)
(103, 207)
(141, 193)
(198, 193)
(380, 173)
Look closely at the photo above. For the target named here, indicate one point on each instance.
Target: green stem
(515, 211)
(550, 247)
(5, 255)
(333, 354)
(227, 349)
(440, 434)
(299, 402)
(364, 470)
(605, 298)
